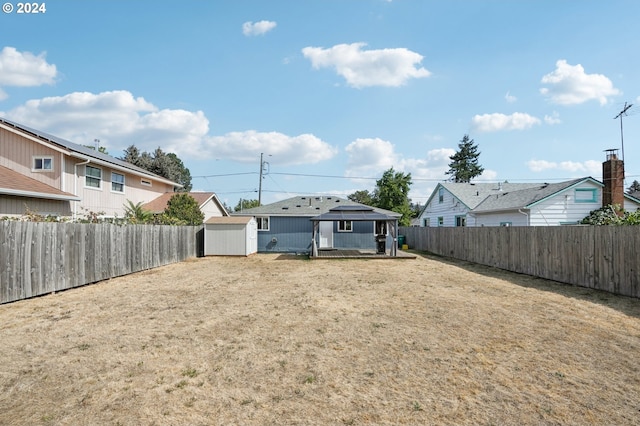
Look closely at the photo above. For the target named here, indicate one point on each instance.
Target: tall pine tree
(464, 163)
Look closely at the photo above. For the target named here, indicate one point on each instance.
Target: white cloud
(370, 157)
(510, 98)
(589, 167)
(553, 118)
(24, 69)
(570, 85)
(497, 122)
(257, 28)
(285, 150)
(117, 118)
(364, 68)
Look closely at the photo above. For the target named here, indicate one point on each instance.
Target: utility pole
(262, 164)
(620, 115)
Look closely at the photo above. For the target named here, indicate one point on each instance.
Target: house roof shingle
(310, 206)
(14, 183)
(525, 198)
(158, 204)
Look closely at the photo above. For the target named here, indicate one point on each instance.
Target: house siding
(17, 153)
(13, 206)
(448, 210)
(514, 218)
(103, 200)
(361, 237)
(563, 208)
(293, 235)
(286, 234)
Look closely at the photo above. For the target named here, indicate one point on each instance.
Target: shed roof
(229, 220)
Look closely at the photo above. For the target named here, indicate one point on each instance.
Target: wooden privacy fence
(38, 258)
(600, 257)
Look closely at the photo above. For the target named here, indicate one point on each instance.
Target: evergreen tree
(464, 163)
(634, 188)
(167, 165)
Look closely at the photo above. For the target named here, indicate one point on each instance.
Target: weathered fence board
(599, 257)
(37, 258)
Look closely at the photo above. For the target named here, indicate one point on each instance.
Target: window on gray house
(263, 223)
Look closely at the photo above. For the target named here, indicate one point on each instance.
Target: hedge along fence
(37, 258)
(598, 257)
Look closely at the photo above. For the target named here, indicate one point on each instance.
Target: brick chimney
(613, 177)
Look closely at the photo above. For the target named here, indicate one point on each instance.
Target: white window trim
(124, 182)
(592, 191)
(41, 157)
(99, 188)
(342, 229)
(259, 221)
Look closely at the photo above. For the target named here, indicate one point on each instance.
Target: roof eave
(32, 194)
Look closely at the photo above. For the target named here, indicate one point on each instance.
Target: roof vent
(285, 208)
(298, 205)
(303, 198)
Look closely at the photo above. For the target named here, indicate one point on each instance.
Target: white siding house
(450, 203)
(539, 204)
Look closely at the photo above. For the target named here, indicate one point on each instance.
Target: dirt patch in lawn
(276, 339)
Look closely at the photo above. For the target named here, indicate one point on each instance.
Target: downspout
(75, 186)
(526, 214)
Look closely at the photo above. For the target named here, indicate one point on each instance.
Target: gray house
(287, 226)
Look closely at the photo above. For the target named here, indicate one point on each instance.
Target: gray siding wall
(360, 238)
(287, 235)
(293, 235)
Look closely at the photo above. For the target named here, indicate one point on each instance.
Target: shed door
(326, 234)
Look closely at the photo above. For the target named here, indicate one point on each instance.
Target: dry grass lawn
(280, 340)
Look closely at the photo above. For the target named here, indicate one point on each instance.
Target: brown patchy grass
(275, 339)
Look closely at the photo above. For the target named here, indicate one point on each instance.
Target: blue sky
(332, 92)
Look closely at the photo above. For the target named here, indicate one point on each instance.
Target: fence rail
(37, 258)
(598, 257)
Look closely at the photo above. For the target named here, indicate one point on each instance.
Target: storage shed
(230, 236)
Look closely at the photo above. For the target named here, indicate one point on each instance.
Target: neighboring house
(564, 203)
(48, 175)
(450, 203)
(208, 202)
(287, 226)
(527, 204)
